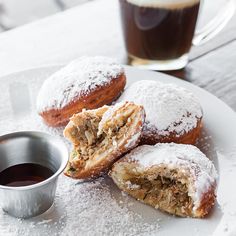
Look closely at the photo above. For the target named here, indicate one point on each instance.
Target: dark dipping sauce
(24, 175)
(156, 33)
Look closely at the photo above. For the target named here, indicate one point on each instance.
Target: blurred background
(14, 13)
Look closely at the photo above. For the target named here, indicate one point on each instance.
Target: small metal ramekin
(31, 147)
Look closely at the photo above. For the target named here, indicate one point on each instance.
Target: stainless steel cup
(31, 147)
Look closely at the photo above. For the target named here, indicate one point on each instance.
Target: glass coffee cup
(158, 34)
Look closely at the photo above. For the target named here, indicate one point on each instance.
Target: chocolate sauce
(157, 33)
(24, 175)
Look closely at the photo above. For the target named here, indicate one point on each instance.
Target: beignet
(173, 114)
(88, 82)
(101, 136)
(175, 178)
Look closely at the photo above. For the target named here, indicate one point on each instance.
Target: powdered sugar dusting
(186, 157)
(80, 208)
(78, 78)
(78, 205)
(169, 108)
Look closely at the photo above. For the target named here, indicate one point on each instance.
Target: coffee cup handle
(215, 25)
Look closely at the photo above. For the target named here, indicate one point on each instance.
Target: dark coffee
(158, 33)
(24, 174)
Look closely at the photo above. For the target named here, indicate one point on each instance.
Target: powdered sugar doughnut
(101, 136)
(173, 114)
(88, 82)
(175, 178)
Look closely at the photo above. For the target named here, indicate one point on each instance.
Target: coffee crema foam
(168, 4)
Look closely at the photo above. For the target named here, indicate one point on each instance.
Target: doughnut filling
(100, 136)
(175, 178)
(161, 190)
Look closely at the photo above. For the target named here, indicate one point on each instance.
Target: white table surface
(89, 29)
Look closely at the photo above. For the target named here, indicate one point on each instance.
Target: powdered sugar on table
(78, 78)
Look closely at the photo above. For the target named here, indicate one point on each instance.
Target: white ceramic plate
(99, 208)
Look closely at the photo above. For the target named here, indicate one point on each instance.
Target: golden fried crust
(207, 203)
(102, 95)
(186, 138)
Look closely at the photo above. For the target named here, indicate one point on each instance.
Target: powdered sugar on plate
(78, 78)
(168, 107)
(184, 157)
(80, 208)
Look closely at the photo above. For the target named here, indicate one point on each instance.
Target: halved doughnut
(175, 178)
(101, 136)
